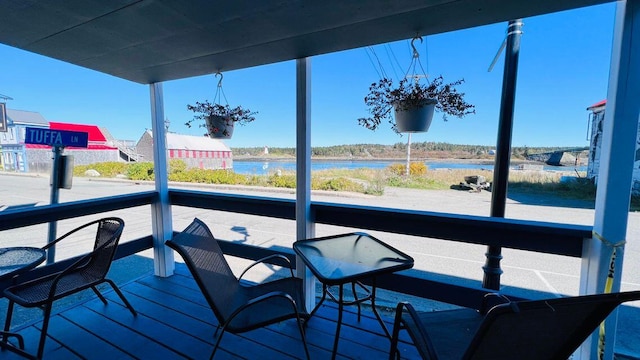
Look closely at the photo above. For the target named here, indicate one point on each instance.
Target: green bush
(415, 168)
(338, 184)
(204, 176)
(395, 181)
(282, 181)
(416, 182)
(377, 183)
(79, 170)
(140, 171)
(176, 166)
(257, 180)
(106, 169)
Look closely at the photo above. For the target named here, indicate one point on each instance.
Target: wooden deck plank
(202, 312)
(82, 342)
(319, 323)
(176, 285)
(184, 344)
(171, 318)
(186, 288)
(196, 320)
(175, 322)
(52, 348)
(121, 337)
(321, 328)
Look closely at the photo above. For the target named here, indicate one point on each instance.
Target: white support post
(161, 219)
(616, 169)
(408, 167)
(305, 226)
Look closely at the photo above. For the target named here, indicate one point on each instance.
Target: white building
(596, 122)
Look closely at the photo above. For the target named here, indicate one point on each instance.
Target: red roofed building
(97, 140)
(99, 148)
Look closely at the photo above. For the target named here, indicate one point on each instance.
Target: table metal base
(370, 295)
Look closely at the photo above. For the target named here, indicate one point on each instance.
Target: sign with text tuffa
(3, 117)
(41, 136)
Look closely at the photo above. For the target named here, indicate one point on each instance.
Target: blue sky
(563, 68)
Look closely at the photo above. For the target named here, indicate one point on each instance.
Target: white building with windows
(596, 124)
(14, 150)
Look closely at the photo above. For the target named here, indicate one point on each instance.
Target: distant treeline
(428, 150)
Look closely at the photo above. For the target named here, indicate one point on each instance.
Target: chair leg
(394, 353)
(121, 295)
(302, 334)
(45, 326)
(7, 321)
(95, 290)
(215, 346)
(6, 334)
(355, 296)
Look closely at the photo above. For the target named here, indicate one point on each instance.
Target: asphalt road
(523, 271)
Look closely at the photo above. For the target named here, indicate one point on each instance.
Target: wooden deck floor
(175, 322)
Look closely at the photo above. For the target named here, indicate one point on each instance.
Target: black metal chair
(541, 329)
(87, 272)
(238, 307)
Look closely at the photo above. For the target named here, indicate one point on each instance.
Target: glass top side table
(349, 259)
(343, 258)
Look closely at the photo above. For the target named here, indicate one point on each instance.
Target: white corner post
(161, 219)
(305, 225)
(619, 137)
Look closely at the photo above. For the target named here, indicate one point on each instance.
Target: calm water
(266, 167)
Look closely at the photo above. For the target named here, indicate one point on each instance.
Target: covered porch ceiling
(149, 41)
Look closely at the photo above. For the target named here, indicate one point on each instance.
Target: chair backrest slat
(542, 329)
(104, 249)
(206, 262)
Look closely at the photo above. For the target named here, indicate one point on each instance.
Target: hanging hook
(219, 81)
(415, 51)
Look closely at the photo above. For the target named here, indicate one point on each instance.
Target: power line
(388, 50)
(384, 74)
(372, 63)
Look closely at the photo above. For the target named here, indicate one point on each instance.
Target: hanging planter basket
(219, 127)
(413, 119)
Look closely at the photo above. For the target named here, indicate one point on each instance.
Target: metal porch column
(491, 268)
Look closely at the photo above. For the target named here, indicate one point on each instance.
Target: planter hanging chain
(415, 61)
(219, 90)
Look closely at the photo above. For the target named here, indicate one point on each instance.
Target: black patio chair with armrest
(540, 329)
(87, 272)
(238, 307)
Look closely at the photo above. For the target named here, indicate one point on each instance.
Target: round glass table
(14, 260)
